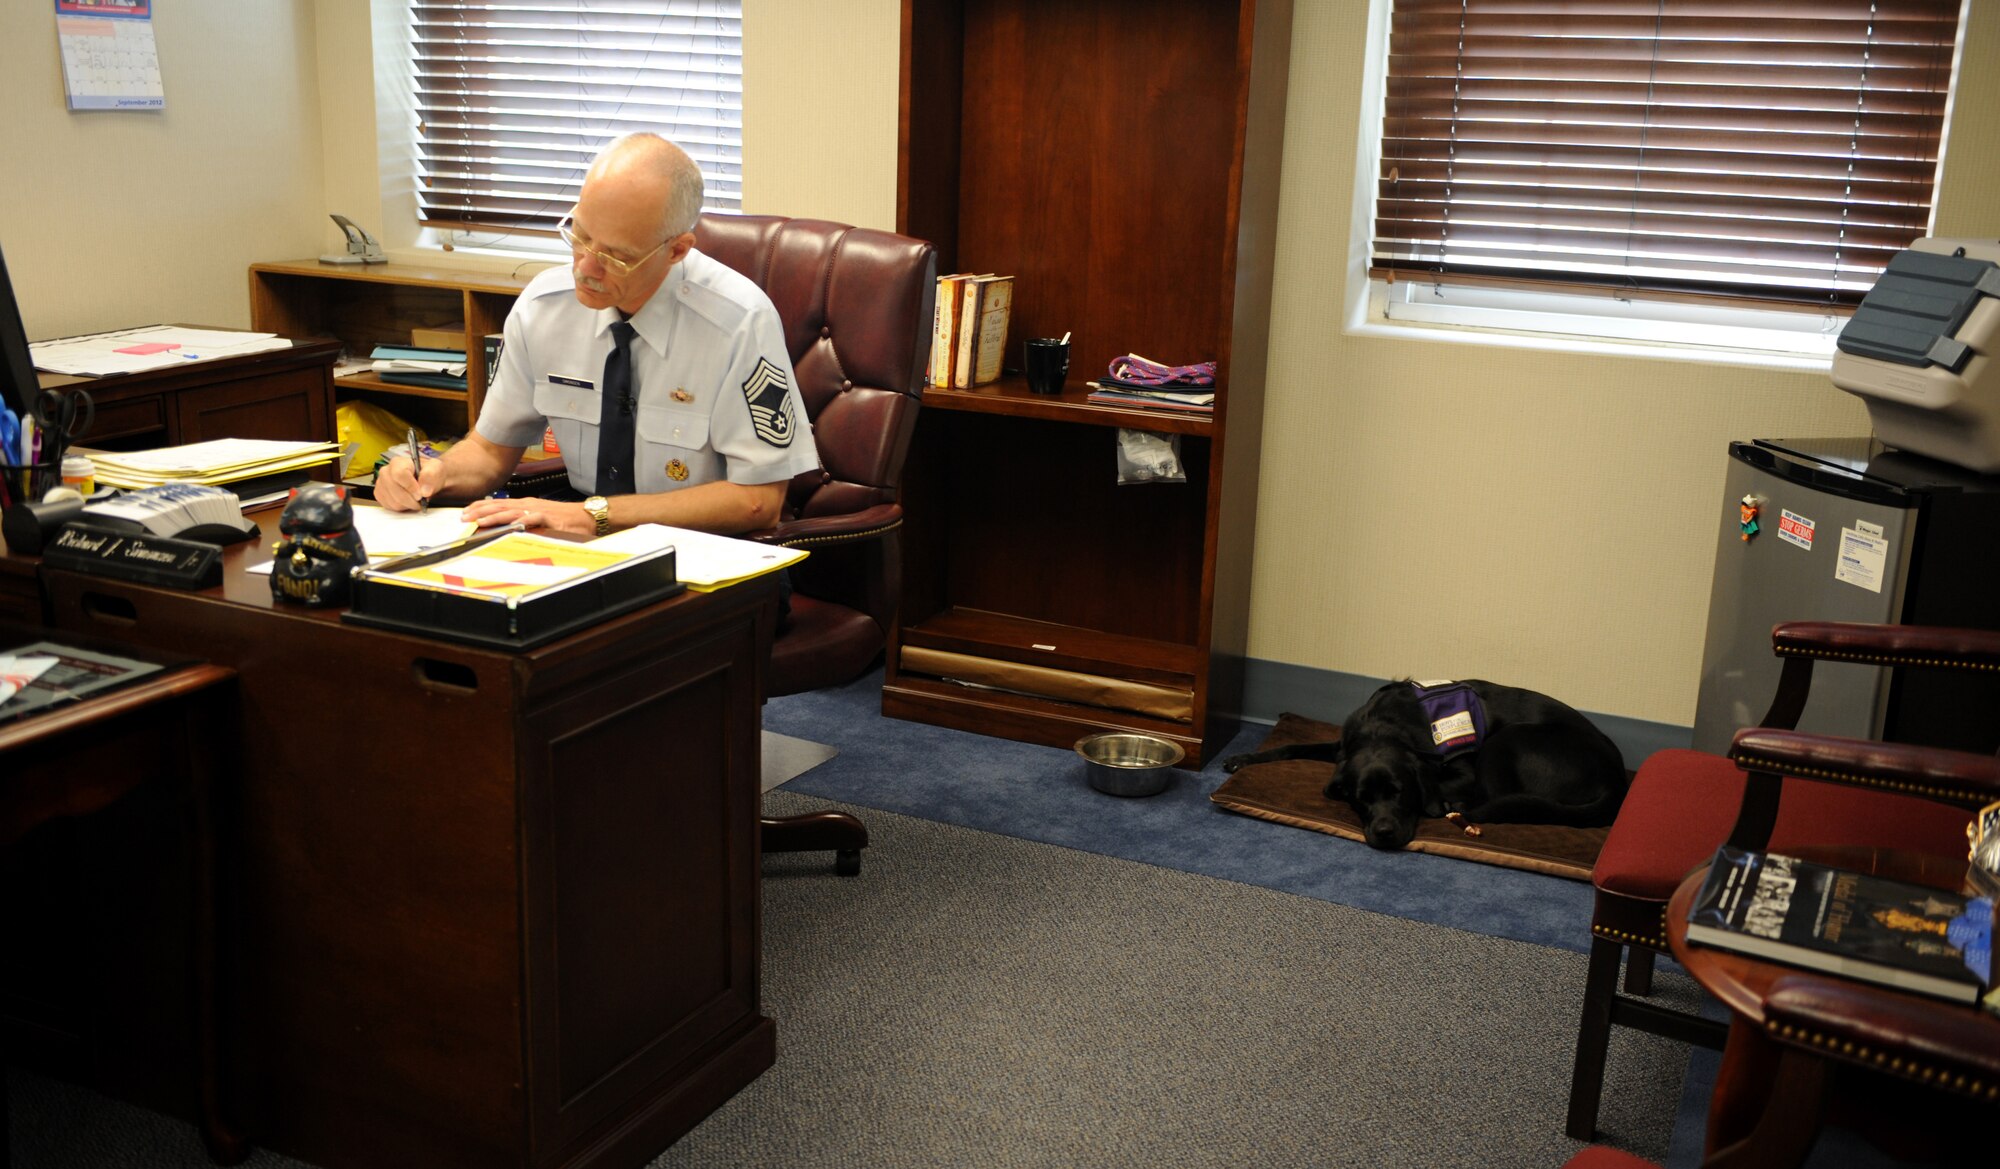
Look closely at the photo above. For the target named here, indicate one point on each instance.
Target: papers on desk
(62, 672)
(703, 561)
(17, 671)
(149, 347)
(398, 533)
(219, 461)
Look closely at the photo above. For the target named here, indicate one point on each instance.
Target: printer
(1920, 351)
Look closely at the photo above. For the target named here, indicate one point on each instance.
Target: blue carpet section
(1039, 793)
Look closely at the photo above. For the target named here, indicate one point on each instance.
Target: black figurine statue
(320, 549)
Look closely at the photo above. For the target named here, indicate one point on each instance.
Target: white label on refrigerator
(1795, 528)
(1862, 558)
(1868, 529)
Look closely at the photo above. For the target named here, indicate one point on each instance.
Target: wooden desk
(497, 909)
(1769, 1098)
(280, 393)
(85, 757)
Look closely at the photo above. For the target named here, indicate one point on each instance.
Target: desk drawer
(127, 417)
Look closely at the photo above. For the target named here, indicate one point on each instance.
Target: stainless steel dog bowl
(1120, 763)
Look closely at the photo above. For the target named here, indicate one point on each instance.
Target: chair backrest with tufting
(856, 304)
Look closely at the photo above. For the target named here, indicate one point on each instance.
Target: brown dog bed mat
(1292, 792)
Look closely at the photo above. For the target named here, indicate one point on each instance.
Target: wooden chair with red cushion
(1683, 804)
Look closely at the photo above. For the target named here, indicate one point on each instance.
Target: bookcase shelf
(365, 305)
(1011, 396)
(1139, 218)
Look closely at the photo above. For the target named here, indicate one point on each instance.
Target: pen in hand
(417, 468)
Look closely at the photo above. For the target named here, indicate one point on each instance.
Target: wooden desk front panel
(492, 903)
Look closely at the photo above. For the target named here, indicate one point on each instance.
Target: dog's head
(1381, 773)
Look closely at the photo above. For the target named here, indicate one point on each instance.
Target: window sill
(1558, 343)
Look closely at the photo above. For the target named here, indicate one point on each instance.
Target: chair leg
(1639, 972)
(1593, 1038)
(814, 832)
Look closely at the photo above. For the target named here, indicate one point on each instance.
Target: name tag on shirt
(578, 382)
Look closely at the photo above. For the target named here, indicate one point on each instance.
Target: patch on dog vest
(1456, 716)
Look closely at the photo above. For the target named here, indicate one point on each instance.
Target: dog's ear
(1340, 787)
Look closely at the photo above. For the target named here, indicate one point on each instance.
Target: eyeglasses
(612, 264)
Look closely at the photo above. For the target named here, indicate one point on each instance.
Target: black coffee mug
(1046, 362)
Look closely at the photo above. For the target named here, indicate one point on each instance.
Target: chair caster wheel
(847, 862)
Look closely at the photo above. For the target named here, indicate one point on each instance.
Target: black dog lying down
(1497, 754)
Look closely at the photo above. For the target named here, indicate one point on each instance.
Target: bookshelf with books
(1134, 218)
(389, 305)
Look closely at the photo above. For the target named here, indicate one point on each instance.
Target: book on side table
(1856, 925)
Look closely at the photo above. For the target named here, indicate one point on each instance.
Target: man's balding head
(661, 170)
(640, 201)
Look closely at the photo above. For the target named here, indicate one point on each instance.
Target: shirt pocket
(672, 430)
(571, 411)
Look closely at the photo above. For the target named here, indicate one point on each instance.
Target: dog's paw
(1230, 764)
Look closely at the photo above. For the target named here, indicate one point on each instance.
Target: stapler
(362, 248)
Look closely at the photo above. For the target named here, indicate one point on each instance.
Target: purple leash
(1134, 370)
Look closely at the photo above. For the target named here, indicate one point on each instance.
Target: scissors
(63, 415)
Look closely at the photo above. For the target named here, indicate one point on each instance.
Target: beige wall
(819, 141)
(1428, 508)
(1548, 520)
(112, 219)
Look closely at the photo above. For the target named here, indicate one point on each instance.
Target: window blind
(1772, 149)
(514, 99)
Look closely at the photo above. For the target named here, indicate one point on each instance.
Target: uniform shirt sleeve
(759, 422)
(508, 416)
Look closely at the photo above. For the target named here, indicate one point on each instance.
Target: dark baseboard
(1273, 688)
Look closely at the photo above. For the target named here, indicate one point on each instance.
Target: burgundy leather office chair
(1681, 806)
(857, 309)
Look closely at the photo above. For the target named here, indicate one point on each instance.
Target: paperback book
(1856, 925)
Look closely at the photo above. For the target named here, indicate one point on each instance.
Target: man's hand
(398, 488)
(545, 514)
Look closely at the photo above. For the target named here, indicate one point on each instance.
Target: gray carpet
(979, 1000)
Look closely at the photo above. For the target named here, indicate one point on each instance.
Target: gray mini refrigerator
(1847, 530)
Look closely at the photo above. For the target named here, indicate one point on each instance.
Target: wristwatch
(600, 512)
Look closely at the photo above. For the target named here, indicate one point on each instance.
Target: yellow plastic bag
(366, 430)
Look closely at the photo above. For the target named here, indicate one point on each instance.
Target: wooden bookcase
(365, 305)
(1120, 158)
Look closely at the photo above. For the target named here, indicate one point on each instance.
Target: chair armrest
(821, 531)
(1936, 773)
(1938, 1044)
(1888, 645)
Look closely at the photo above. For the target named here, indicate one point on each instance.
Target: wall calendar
(109, 59)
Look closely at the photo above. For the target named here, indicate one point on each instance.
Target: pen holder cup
(1046, 362)
(29, 481)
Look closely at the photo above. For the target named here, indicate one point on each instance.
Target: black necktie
(616, 412)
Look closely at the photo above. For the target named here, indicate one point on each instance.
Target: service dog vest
(1456, 716)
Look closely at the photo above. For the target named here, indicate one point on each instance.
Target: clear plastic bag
(1146, 457)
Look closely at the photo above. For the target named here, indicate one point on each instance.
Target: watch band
(600, 513)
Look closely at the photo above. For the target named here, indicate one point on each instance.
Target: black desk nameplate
(153, 560)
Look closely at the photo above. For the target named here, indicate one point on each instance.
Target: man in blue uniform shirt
(663, 373)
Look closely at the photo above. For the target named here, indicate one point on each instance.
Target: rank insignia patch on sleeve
(770, 403)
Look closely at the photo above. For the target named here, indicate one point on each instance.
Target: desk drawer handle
(455, 677)
(110, 609)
